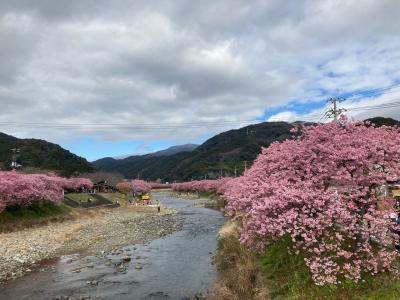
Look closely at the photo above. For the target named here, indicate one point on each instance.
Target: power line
(162, 126)
(379, 106)
(375, 92)
(130, 124)
(141, 126)
(126, 126)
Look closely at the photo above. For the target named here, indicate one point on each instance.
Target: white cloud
(286, 116)
(124, 62)
(362, 107)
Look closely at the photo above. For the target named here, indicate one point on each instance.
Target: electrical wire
(379, 106)
(315, 117)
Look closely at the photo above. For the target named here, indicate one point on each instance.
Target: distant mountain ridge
(174, 150)
(169, 151)
(223, 153)
(41, 155)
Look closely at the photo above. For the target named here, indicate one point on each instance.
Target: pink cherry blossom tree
(217, 186)
(140, 186)
(320, 190)
(76, 183)
(25, 189)
(158, 185)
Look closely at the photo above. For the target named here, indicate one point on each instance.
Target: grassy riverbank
(276, 274)
(16, 217)
(112, 197)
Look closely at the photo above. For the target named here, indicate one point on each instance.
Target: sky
(111, 78)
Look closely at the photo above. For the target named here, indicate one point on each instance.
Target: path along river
(174, 267)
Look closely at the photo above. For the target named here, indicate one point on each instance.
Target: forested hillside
(41, 155)
(219, 155)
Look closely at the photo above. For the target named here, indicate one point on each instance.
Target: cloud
(180, 62)
(385, 103)
(286, 116)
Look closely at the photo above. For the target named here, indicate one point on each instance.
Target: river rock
(126, 258)
(121, 269)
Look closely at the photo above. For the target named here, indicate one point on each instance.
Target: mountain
(174, 150)
(150, 166)
(169, 151)
(223, 153)
(39, 155)
(380, 121)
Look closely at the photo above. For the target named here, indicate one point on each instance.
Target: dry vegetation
(239, 274)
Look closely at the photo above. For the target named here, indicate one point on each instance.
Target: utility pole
(235, 171)
(245, 165)
(335, 111)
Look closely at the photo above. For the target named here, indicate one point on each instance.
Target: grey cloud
(184, 61)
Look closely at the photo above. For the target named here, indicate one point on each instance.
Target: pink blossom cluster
(218, 186)
(76, 182)
(140, 186)
(157, 185)
(320, 190)
(24, 189)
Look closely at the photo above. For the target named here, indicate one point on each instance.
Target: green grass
(27, 214)
(289, 278)
(207, 195)
(113, 197)
(79, 197)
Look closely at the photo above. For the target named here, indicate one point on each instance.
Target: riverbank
(240, 275)
(18, 217)
(176, 266)
(97, 232)
(277, 274)
(206, 200)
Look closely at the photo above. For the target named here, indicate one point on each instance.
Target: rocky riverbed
(99, 234)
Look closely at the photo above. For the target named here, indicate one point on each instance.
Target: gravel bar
(22, 251)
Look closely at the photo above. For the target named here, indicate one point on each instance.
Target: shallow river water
(174, 267)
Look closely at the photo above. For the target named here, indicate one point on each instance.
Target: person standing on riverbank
(158, 206)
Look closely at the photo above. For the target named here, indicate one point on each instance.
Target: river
(174, 267)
